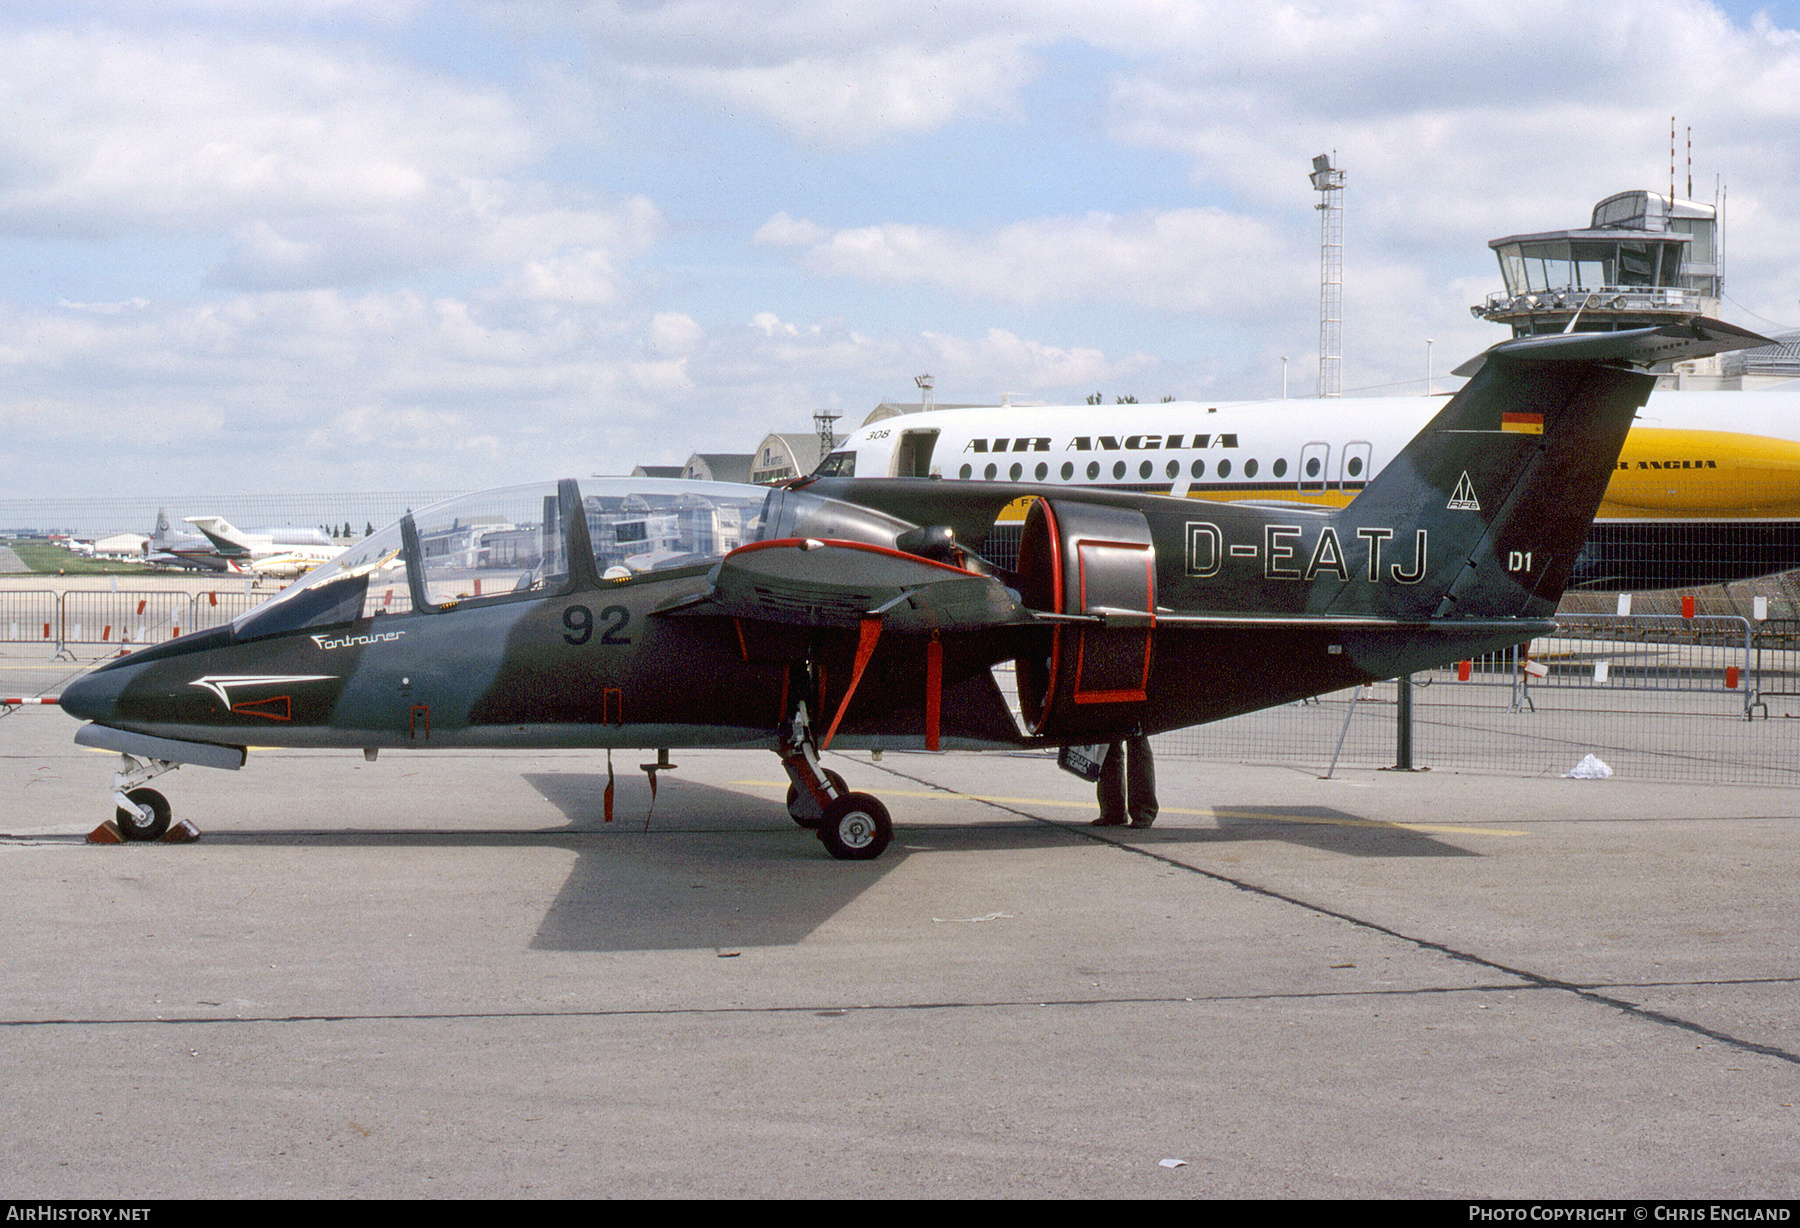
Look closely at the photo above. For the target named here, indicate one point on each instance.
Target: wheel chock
(181, 832)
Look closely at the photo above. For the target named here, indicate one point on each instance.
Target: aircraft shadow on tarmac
(737, 872)
(712, 889)
(731, 868)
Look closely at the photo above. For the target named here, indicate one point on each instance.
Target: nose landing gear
(146, 819)
(142, 814)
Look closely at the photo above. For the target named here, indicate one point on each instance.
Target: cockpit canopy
(499, 545)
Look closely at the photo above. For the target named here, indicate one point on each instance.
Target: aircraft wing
(813, 583)
(284, 565)
(164, 558)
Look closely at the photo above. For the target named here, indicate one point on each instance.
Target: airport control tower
(1645, 259)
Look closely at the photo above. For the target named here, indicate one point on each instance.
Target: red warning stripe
(934, 691)
(868, 634)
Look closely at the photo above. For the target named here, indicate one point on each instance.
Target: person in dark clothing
(1127, 785)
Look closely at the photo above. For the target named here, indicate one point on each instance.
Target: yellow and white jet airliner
(1706, 490)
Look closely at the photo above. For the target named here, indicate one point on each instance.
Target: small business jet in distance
(260, 552)
(1706, 489)
(203, 552)
(658, 614)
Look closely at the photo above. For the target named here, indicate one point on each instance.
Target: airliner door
(912, 459)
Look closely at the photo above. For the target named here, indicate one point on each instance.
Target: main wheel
(856, 828)
(133, 826)
(793, 800)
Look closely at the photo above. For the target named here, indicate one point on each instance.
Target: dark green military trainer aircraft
(851, 612)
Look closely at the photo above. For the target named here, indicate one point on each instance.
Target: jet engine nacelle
(1095, 565)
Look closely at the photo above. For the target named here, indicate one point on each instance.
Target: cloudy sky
(402, 244)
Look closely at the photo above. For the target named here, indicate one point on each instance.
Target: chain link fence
(1711, 698)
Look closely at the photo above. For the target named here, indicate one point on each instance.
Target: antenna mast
(1328, 181)
(825, 423)
(1671, 157)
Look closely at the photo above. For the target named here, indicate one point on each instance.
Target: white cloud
(666, 375)
(783, 231)
(276, 390)
(1479, 106)
(188, 131)
(835, 75)
(1169, 260)
(854, 97)
(317, 166)
(673, 332)
(1003, 360)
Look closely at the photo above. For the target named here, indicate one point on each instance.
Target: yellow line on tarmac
(1322, 820)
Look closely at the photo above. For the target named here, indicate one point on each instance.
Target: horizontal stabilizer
(1700, 337)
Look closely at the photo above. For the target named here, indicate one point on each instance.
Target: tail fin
(1498, 491)
(227, 540)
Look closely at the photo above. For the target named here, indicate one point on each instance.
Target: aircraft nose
(95, 696)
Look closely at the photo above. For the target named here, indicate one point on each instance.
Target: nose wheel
(148, 817)
(142, 814)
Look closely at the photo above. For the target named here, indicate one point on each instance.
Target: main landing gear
(851, 826)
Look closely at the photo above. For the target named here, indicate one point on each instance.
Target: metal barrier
(1494, 669)
(215, 609)
(125, 618)
(29, 617)
(1645, 653)
(121, 618)
(1656, 697)
(1777, 643)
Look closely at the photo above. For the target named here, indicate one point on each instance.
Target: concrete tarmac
(446, 975)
